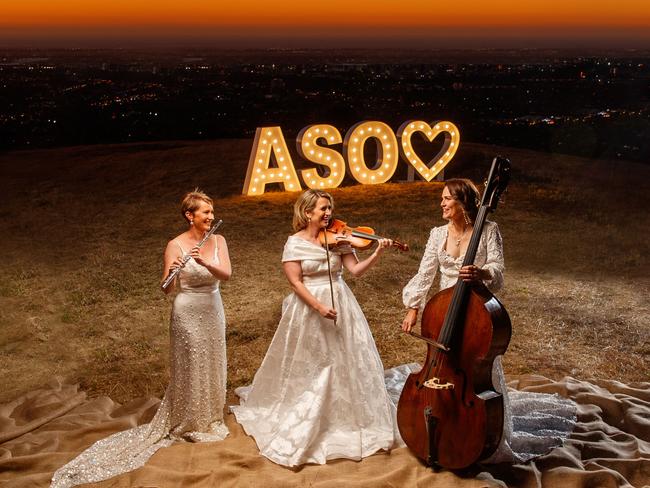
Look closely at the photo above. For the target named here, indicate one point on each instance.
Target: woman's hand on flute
(194, 253)
(177, 263)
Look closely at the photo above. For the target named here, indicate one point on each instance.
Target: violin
(339, 233)
(449, 413)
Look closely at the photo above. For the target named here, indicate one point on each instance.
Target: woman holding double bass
(450, 389)
(447, 245)
(445, 252)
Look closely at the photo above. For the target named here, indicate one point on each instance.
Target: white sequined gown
(320, 392)
(534, 423)
(192, 408)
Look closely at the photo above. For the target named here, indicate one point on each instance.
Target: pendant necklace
(460, 237)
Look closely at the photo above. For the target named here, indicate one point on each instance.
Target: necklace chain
(460, 238)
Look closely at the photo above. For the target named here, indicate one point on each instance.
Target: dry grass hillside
(83, 231)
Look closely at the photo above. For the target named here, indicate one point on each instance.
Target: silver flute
(170, 277)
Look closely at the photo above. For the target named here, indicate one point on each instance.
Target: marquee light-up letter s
(310, 150)
(387, 152)
(269, 140)
(429, 170)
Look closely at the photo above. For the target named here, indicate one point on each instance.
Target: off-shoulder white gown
(320, 392)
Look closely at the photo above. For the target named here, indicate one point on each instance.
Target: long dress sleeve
(494, 261)
(415, 292)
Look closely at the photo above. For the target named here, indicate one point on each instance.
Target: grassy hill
(83, 230)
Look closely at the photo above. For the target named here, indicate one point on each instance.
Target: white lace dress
(320, 392)
(192, 408)
(534, 423)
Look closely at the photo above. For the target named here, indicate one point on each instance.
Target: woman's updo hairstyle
(465, 192)
(306, 203)
(192, 201)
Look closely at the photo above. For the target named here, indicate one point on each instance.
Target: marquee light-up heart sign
(312, 142)
(428, 171)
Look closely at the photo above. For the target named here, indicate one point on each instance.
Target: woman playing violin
(319, 393)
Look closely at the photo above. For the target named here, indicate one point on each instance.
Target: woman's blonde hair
(192, 201)
(306, 203)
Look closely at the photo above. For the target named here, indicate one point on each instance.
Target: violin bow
(329, 270)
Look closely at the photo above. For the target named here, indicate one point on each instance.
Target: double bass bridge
(435, 384)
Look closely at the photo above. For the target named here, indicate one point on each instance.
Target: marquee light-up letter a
(269, 140)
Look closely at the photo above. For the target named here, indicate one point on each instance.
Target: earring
(191, 222)
(466, 217)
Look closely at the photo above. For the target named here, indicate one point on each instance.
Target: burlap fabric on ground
(44, 429)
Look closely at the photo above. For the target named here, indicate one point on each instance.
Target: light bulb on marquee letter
(308, 148)
(269, 140)
(429, 170)
(387, 152)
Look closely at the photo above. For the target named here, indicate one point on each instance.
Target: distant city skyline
(337, 23)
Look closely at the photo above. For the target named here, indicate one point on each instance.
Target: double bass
(449, 413)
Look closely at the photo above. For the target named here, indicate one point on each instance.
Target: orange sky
(28, 13)
(23, 17)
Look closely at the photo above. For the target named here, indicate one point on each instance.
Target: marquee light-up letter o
(387, 152)
(269, 140)
(429, 170)
(308, 149)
